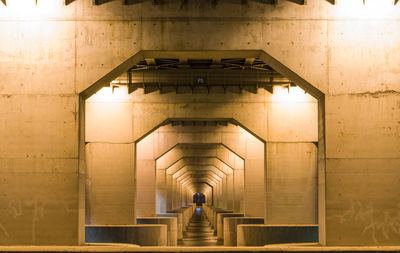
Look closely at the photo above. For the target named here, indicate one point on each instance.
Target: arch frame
(271, 61)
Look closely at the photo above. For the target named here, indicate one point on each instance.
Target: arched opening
(199, 198)
(199, 111)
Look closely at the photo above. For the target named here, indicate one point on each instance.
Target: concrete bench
(230, 227)
(260, 235)
(186, 215)
(207, 211)
(210, 212)
(172, 226)
(215, 216)
(220, 222)
(179, 217)
(143, 235)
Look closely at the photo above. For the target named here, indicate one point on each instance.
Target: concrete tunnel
(163, 127)
(88, 86)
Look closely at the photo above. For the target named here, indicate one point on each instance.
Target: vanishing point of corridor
(199, 232)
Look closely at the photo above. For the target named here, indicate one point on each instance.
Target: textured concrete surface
(179, 219)
(230, 227)
(53, 52)
(172, 226)
(259, 234)
(143, 234)
(291, 183)
(220, 222)
(135, 248)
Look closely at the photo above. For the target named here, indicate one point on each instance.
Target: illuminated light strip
(395, 2)
(128, 2)
(334, 2)
(5, 2)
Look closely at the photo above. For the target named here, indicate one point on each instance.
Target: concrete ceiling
(191, 75)
(185, 2)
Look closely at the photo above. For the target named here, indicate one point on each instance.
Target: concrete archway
(257, 128)
(254, 157)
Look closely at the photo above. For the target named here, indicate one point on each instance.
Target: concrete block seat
(207, 210)
(187, 213)
(172, 226)
(210, 211)
(230, 227)
(179, 217)
(143, 235)
(261, 234)
(179, 211)
(220, 222)
(215, 216)
(212, 215)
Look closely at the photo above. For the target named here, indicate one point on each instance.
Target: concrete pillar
(161, 191)
(292, 184)
(145, 177)
(238, 190)
(230, 192)
(169, 182)
(110, 184)
(254, 184)
(225, 193)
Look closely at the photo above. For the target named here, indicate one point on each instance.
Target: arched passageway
(199, 198)
(161, 133)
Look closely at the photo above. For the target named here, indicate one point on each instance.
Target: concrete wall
(292, 184)
(214, 157)
(208, 158)
(240, 141)
(285, 118)
(348, 51)
(110, 181)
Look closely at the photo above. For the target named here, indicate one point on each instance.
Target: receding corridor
(199, 125)
(211, 154)
(199, 231)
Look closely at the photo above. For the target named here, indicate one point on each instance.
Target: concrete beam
(206, 161)
(199, 168)
(201, 172)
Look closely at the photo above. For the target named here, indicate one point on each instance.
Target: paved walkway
(199, 231)
(133, 248)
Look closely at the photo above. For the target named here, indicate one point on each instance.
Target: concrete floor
(134, 248)
(199, 231)
(53, 53)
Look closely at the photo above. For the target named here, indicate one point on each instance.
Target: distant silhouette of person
(199, 199)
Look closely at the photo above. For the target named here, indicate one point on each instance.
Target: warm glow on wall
(29, 10)
(111, 94)
(244, 132)
(290, 94)
(372, 9)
